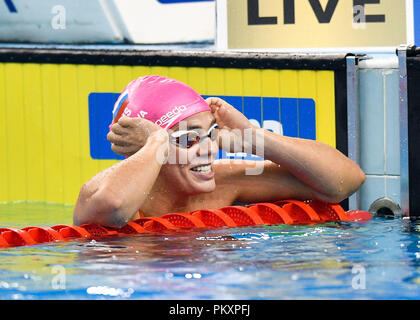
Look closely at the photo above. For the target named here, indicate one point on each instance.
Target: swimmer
(170, 137)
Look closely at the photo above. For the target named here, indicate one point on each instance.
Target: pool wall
(379, 129)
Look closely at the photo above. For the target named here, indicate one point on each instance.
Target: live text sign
(315, 23)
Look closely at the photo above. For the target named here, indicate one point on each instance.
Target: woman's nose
(208, 148)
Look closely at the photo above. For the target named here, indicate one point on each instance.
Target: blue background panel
(271, 109)
(289, 116)
(100, 117)
(252, 108)
(297, 116)
(306, 111)
(235, 101)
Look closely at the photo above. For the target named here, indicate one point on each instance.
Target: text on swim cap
(171, 116)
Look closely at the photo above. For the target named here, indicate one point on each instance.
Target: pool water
(375, 260)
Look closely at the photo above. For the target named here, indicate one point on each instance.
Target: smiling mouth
(202, 169)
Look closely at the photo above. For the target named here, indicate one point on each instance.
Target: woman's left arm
(298, 168)
(318, 165)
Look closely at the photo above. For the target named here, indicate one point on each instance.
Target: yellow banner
(315, 23)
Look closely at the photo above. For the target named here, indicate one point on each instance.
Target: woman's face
(190, 170)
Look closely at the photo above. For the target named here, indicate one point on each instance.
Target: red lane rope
(132, 228)
(243, 216)
(3, 242)
(358, 215)
(299, 211)
(272, 214)
(184, 220)
(43, 234)
(291, 212)
(15, 237)
(329, 212)
(214, 218)
(71, 232)
(155, 224)
(97, 231)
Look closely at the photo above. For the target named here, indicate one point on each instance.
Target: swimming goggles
(188, 138)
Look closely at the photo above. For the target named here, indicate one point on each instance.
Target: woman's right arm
(114, 195)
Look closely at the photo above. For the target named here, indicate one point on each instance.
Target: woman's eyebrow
(195, 126)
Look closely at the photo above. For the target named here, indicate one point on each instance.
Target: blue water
(376, 260)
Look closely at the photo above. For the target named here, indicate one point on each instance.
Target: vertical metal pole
(353, 121)
(403, 109)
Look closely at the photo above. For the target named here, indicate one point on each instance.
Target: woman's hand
(227, 117)
(235, 130)
(129, 135)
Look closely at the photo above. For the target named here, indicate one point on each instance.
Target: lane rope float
(290, 212)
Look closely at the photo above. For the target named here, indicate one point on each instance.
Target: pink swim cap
(161, 100)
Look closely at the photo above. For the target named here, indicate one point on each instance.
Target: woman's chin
(204, 187)
(198, 187)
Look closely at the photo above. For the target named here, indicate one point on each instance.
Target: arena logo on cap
(168, 118)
